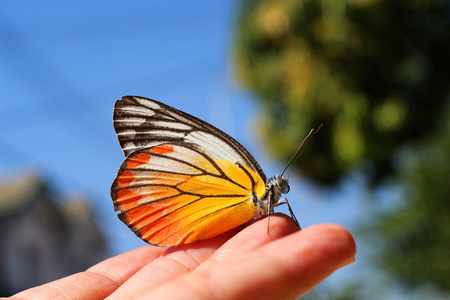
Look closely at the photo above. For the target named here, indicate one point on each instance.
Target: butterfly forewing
(141, 123)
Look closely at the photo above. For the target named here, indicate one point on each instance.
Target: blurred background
(375, 72)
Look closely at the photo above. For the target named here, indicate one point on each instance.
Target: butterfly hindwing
(176, 193)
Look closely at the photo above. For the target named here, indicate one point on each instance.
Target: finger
(181, 260)
(97, 282)
(255, 235)
(175, 261)
(282, 269)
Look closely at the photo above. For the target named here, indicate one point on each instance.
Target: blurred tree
(416, 236)
(375, 72)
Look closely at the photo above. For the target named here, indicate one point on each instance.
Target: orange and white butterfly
(184, 180)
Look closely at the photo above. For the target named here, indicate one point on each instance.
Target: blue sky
(65, 63)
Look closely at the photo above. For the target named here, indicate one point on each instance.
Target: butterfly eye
(286, 190)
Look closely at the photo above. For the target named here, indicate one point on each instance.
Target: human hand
(244, 264)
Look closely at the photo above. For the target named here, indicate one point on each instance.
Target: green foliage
(417, 235)
(375, 72)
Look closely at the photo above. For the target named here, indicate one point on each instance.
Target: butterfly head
(276, 186)
(281, 184)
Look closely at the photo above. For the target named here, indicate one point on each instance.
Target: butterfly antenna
(302, 145)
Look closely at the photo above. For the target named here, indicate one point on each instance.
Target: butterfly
(184, 180)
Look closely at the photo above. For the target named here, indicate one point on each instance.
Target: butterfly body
(184, 180)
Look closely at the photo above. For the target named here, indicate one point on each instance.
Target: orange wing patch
(138, 160)
(173, 194)
(125, 179)
(162, 149)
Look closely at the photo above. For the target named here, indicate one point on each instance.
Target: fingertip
(338, 241)
(312, 254)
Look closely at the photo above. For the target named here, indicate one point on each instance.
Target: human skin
(239, 264)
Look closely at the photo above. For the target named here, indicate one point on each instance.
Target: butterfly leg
(268, 216)
(285, 200)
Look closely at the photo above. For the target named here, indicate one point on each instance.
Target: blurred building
(43, 237)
